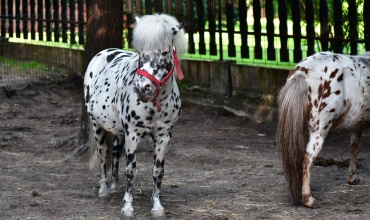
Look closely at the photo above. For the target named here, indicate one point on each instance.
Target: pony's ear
(137, 19)
(177, 28)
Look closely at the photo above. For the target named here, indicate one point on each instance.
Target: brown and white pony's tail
(95, 161)
(292, 132)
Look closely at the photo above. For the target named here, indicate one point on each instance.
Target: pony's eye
(164, 53)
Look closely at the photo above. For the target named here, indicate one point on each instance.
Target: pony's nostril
(147, 88)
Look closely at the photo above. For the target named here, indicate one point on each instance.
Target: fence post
(310, 19)
(230, 27)
(366, 15)
(243, 29)
(324, 19)
(212, 27)
(201, 24)
(296, 15)
(190, 23)
(353, 33)
(338, 29)
(270, 29)
(257, 29)
(283, 29)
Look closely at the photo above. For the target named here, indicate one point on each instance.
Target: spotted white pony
(131, 95)
(324, 91)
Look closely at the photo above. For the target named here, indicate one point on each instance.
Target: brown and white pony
(324, 91)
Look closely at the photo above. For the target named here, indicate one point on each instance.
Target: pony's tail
(95, 161)
(292, 133)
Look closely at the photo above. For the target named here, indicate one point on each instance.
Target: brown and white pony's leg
(130, 172)
(116, 154)
(352, 179)
(102, 150)
(160, 149)
(313, 148)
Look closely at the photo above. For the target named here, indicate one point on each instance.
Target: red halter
(158, 83)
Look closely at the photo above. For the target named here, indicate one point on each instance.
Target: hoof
(158, 214)
(113, 187)
(354, 182)
(128, 214)
(104, 195)
(311, 203)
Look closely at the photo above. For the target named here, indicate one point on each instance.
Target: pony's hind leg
(102, 150)
(312, 150)
(352, 179)
(116, 154)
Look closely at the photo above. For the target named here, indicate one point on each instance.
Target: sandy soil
(220, 166)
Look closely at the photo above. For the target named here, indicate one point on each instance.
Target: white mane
(154, 32)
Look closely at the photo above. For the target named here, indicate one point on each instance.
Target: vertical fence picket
(270, 30)
(148, 7)
(33, 19)
(283, 29)
(296, 16)
(56, 20)
(17, 18)
(130, 20)
(366, 16)
(64, 21)
(168, 6)
(25, 18)
(10, 16)
(3, 19)
(230, 27)
(338, 28)
(244, 49)
(72, 19)
(201, 26)
(48, 19)
(190, 22)
(324, 24)
(353, 25)
(257, 29)
(310, 19)
(178, 11)
(138, 8)
(212, 27)
(40, 17)
(158, 6)
(80, 6)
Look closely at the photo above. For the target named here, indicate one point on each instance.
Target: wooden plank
(257, 29)
(271, 53)
(324, 24)
(56, 20)
(81, 22)
(353, 25)
(310, 20)
(212, 27)
(17, 18)
(283, 29)
(72, 20)
(25, 18)
(190, 25)
(64, 21)
(40, 17)
(338, 27)
(366, 16)
(230, 27)
(296, 16)
(244, 48)
(48, 20)
(33, 19)
(201, 26)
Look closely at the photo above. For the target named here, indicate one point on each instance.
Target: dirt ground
(219, 166)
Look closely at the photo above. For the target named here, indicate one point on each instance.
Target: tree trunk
(104, 29)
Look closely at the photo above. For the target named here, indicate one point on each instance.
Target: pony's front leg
(131, 171)
(312, 150)
(102, 150)
(352, 179)
(116, 154)
(160, 149)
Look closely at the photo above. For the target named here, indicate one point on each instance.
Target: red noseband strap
(158, 83)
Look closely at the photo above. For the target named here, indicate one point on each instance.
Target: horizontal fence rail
(267, 32)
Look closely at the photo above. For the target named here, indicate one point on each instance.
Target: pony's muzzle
(145, 90)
